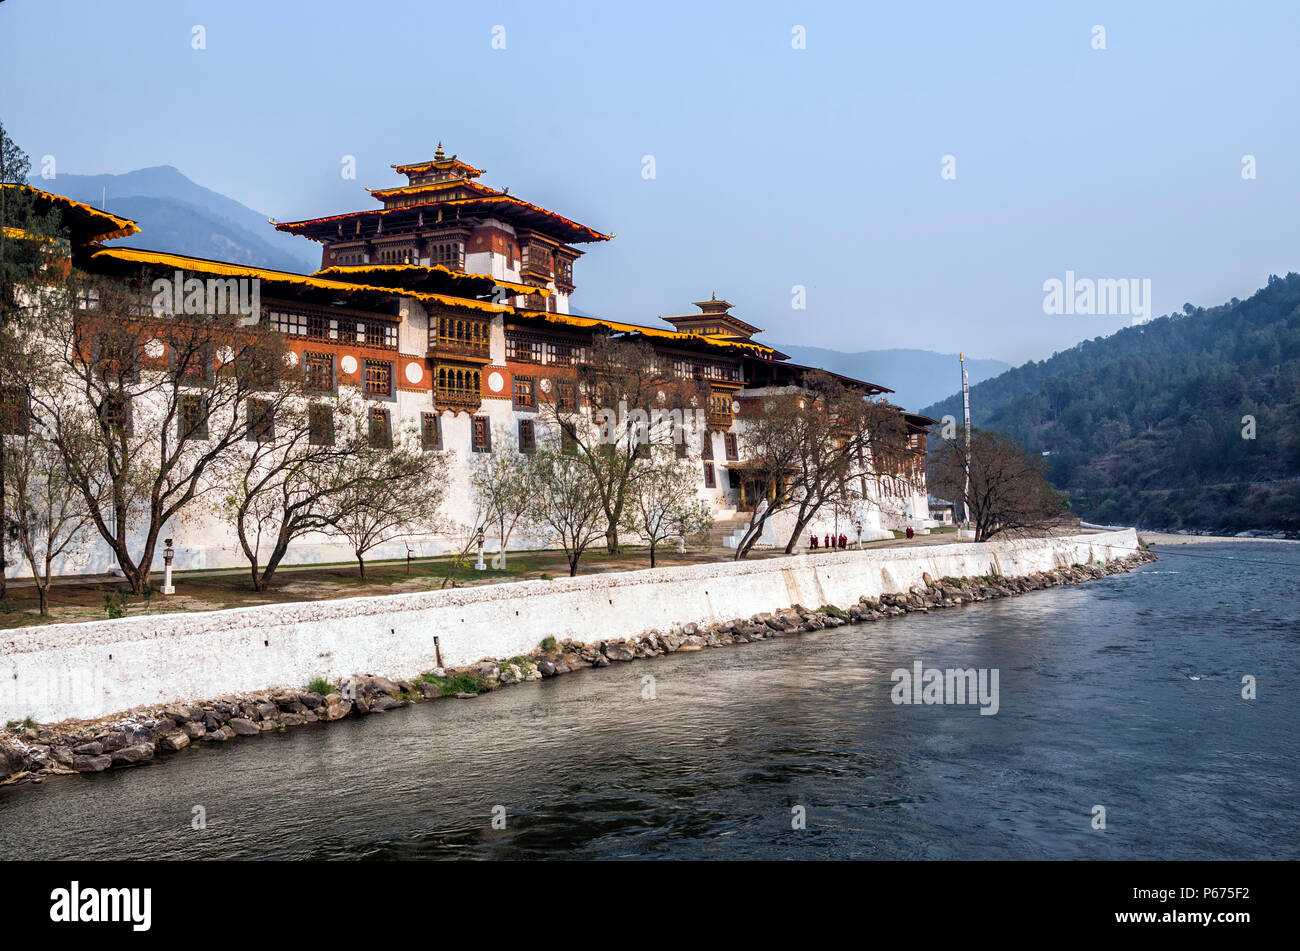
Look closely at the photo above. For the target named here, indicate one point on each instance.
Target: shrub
(321, 686)
(548, 643)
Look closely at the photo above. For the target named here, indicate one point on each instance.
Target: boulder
(91, 764)
(130, 755)
(171, 742)
(266, 710)
(194, 730)
(93, 748)
(337, 710)
(430, 691)
(243, 726)
(220, 735)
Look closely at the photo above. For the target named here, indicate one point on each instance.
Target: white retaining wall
(96, 668)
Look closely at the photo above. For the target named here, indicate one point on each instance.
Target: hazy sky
(774, 166)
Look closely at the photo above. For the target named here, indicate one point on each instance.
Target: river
(1124, 692)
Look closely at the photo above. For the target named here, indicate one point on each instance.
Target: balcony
(463, 337)
(536, 261)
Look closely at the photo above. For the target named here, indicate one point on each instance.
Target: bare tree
(1009, 492)
(387, 488)
(501, 489)
(663, 501)
(770, 438)
(285, 485)
(31, 253)
(47, 510)
(142, 406)
(843, 440)
(566, 506)
(632, 398)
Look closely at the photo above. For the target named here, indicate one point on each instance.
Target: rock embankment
(30, 751)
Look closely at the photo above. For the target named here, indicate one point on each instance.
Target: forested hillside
(1146, 426)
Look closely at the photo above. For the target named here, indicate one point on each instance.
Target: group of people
(830, 541)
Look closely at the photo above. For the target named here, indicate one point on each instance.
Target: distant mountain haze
(178, 215)
(917, 377)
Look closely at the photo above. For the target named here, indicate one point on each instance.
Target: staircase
(728, 529)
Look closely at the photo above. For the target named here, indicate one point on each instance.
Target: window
(523, 349)
(295, 325)
(254, 369)
(527, 436)
(709, 481)
(566, 398)
(116, 355)
(729, 441)
(379, 378)
(193, 418)
(381, 431)
(706, 450)
(259, 421)
(681, 446)
(733, 479)
(481, 434)
(430, 431)
(320, 425)
(561, 354)
(116, 412)
(373, 333)
(14, 410)
(192, 365)
(525, 392)
(320, 371)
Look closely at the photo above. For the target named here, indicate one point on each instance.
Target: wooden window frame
(477, 444)
(430, 431)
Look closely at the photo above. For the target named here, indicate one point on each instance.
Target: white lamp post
(478, 565)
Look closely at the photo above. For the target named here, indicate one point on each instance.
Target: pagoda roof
(505, 206)
(438, 161)
(87, 223)
(653, 333)
(447, 184)
(325, 289)
(424, 277)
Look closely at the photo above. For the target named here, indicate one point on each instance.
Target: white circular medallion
(413, 373)
(154, 348)
(735, 407)
(496, 382)
(291, 359)
(545, 384)
(348, 364)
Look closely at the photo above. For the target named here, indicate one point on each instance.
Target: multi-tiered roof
(440, 191)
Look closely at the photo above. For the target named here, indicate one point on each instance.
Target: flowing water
(1124, 692)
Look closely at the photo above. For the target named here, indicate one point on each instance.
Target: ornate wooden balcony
(465, 338)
